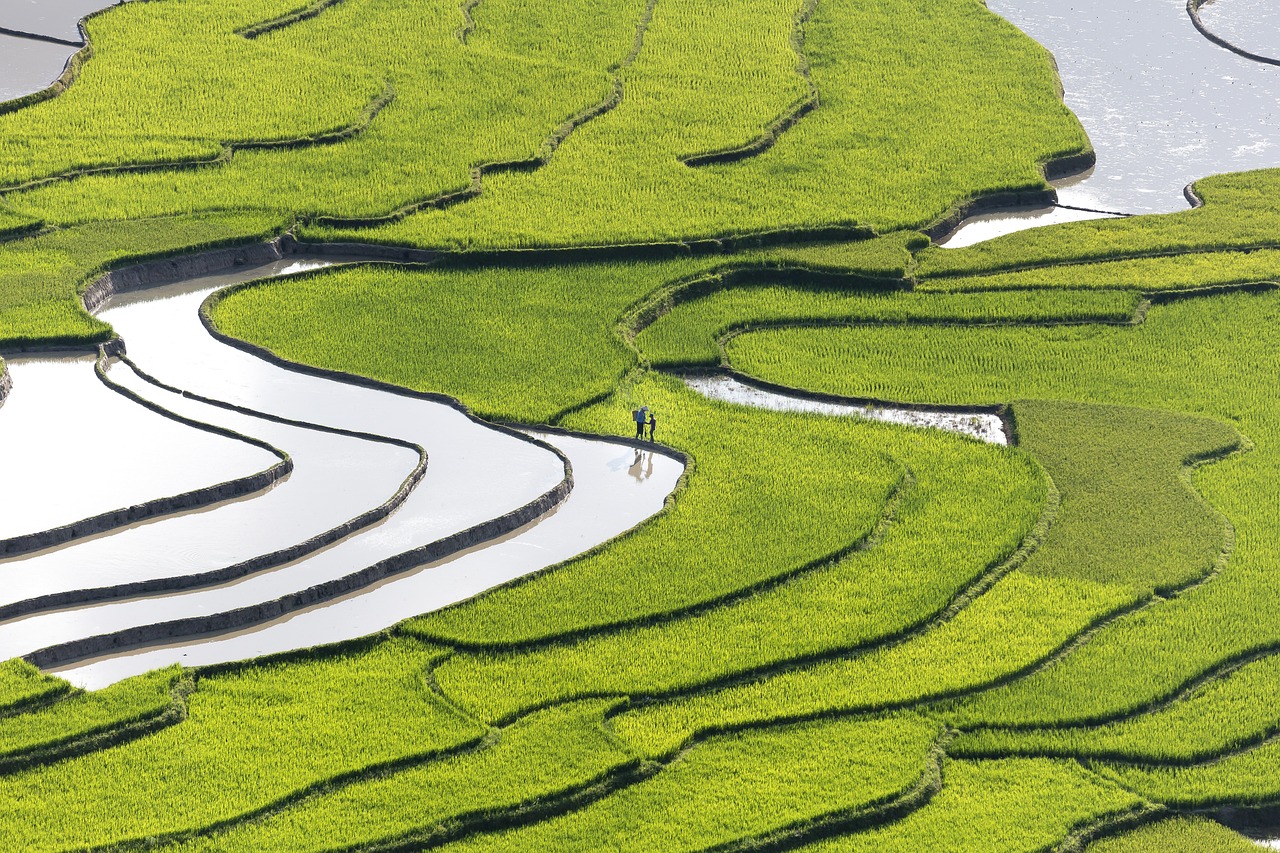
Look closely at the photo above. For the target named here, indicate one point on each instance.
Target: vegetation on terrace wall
(1057, 601)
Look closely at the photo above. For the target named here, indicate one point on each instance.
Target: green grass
(1148, 275)
(1176, 835)
(693, 334)
(741, 520)
(144, 699)
(712, 76)
(1008, 806)
(172, 82)
(1086, 568)
(22, 684)
(1033, 615)
(741, 786)
(465, 333)
(1203, 356)
(930, 550)
(534, 759)
(1251, 777)
(251, 739)
(1223, 715)
(714, 634)
(500, 97)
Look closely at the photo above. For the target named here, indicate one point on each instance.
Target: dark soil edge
(244, 568)
(1014, 200)
(1193, 11)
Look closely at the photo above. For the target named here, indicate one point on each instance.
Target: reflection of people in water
(653, 424)
(642, 467)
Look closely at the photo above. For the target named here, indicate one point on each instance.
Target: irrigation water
(980, 425)
(615, 488)
(201, 575)
(1163, 105)
(61, 417)
(57, 19)
(1249, 25)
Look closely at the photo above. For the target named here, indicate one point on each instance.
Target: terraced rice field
(321, 523)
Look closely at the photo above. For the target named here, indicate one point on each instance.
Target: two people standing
(644, 418)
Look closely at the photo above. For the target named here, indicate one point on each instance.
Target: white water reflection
(334, 478)
(474, 474)
(71, 448)
(985, 226)
(607, 500)
(1162, 105)
(984, 427)
(28, 66)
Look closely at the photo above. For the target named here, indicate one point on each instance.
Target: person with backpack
(641, 417)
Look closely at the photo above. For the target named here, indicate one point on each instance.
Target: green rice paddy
(838, 635)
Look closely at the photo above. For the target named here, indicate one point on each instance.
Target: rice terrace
(640, 425)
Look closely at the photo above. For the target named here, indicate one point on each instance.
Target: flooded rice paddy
(982, 426)
(355, 450)
(1249, 25)
(1163, 105)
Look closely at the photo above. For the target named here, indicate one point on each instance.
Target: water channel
(196, 572)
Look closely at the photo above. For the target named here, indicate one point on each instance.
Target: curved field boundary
(961, 599)
(103, 738)
(1081, 838)
(161, 506)
(248, 616)
(140, 274)
(196, 498)
(244, 568)
(288, 19)
(886, 811)
(467, 8)
(652, 307)
(1013, 200)
(607, 252)
(228, 149)
(782, 123)
(1217, 672)
(70, 71)
(1193, 11)
(545, 152)
(959, 603)
(153, 273)
(627, 773)
(314, 789)
(1001, 411)
(905, 483)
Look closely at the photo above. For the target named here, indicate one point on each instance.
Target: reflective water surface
(1163, 105)
(984, 427)
(56, 18)
(474, 473)
(28, 66)
(71, 448)
(615, 489)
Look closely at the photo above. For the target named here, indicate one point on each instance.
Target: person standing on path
(653, 425)
(640, 416)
